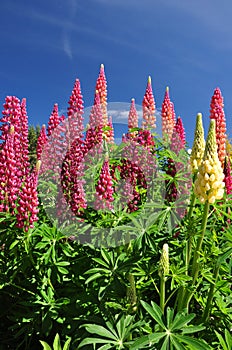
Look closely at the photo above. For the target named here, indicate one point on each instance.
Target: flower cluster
(209, 184)
(198, 145)
(168, 116)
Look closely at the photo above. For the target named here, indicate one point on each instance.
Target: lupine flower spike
(132, 118)
(101, 87)
(217, 113)
(228, 176)
(104, 188)
(54, 120)
(41, 142)
(198, 145)
(75, 114)
(149, 107)
(178, 137)
(168, 116)
(209, 185)
(25, 165)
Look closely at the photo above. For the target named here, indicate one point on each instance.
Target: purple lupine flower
(228, 176)
(133, 116)
(28, 204)
(104, 188)
(178, 137)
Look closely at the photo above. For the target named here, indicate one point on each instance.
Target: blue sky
(46, 45)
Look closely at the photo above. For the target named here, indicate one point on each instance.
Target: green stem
(211, 294)
(196, 265)
(162, 293)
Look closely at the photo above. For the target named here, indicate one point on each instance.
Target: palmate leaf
(155, 312)
(102, 331)
(181, 321)
(91, 341)
(147, 340)
(193, 344)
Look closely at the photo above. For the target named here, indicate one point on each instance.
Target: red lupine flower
(101, 87)
(104, 188)
(54, 120)
(149, 107)
(168, 116)
(41, 142)
(25, 165)
(75, 114)
(228, 176)
(178, 137)
(216, 99)
(28, 203)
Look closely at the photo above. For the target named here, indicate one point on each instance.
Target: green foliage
(56, 344)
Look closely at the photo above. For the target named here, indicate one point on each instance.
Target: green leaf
(181, 321)
(45, 345)
(67, 344)
(192, 329)
(194, 344)
(13, 244)
(155, 312)
(88, 341)
(100, 330)
(176, 343)
(56, 343)
(93, 277)
(228, 338)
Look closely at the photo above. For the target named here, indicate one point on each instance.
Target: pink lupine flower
(109, 134)
(54, 120)
(75, 113)
(178, 137)
(72, 178)
(28, 203)
(219, 116)
(101, 87)
(168, 116)
(25, 165)
(11, 116)
(9, 184)
(133, 116)
(216, 99)
(96, 117)
(149, 107)
(104, 188)
(228, 176)
(41, 142)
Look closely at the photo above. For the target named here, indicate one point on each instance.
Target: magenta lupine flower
(133, 116)
(25, 165)
(93, 144)
(217, 113)
(54, 120)
(72, 178)
(228, 176)
(75, 114)
(28, 204)
(11, 116)
(178, 137)
(41, 142)
(101, 87)
(168, 116)
(9, 184)
(104, 188)
(149, 107)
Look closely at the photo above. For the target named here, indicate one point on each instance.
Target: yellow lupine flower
(209, 185)
(198, 145)
(164, 262)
